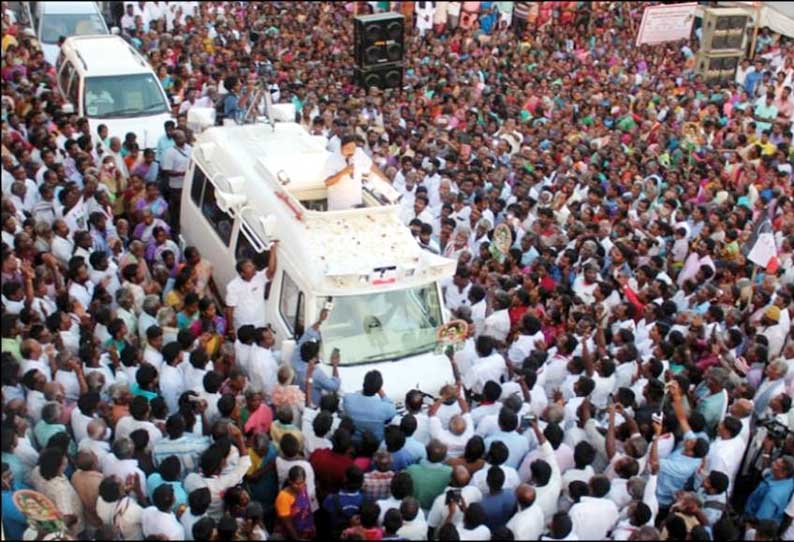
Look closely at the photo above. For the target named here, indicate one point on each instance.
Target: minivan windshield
(55, 25)
(382, 326)
(113, 96)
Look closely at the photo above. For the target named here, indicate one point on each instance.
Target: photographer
(768, 440)
(770, 498)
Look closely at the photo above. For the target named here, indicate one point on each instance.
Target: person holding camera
(450, 506)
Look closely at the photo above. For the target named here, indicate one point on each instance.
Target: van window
(64, 77)
(197, 186)
(124, 96)
(204, 192)
(74, 90)
(55, 25)
(292, 305)
(244, 248)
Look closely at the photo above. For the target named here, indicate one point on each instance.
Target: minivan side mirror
(115, 30)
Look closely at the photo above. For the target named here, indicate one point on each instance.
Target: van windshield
(382, 326)
(135, 95)
(55, 25)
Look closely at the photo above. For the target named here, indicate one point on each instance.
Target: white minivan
(107, 81)
(249, 184)
(53, 20)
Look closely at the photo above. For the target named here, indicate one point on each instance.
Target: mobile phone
(657, 417)
(453, 495)
(526, 422)
(329, 305)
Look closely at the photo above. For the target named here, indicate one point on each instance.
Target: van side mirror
(115, 30)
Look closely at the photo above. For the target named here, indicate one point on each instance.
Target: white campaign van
(53, 20)
(250, 184)
(107, 81)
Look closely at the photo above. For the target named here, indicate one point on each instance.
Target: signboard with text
(666, 23)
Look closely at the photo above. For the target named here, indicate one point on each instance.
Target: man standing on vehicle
(344, 173)
(174, 165)
(245, 294)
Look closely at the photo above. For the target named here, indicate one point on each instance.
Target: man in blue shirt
(396, 445)
(416, 449)
(166, 141)
(169, 472)
(14, 521)
(499, 505)
(308, 350)
(517, 444)
(752, 78)
(186, 447)
(231, 103)
(770, 498)
(370, 409)
(675, 470)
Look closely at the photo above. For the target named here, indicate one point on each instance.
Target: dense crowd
(628, 372)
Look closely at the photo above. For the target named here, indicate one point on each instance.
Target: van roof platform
(275, 176)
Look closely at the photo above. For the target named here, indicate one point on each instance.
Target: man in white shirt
(174, 165)
(81, 288)
(262, 364)
(345, 172)
(214, 479)
(159, 520)
(528, 523)
(245, 294)
(461, 426)
(546, 475)
(128, 19)
(726, 452)
(121, 464)
(139, 419)
(172, 379)
(62, 244)
(586, 283)
(440, 509)
(497, 325)
(527, 341)
(456, 291)
(243, 345)
(95, 441)
(490, 366)
(595, 515)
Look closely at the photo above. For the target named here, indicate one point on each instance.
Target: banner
(666, 23)
(764, 252)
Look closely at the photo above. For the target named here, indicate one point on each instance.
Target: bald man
(414, 525)
(86, 482)
(97, 440)
(458, 484)
(430, 476)
(461, 426)
(743, 410)
(33, 358)
(527, 523)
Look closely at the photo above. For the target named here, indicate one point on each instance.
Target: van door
(206, 226)
(74, 94)
(291, 306)
(65, 78)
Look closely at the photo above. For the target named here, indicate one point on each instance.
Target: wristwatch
(310, 381)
